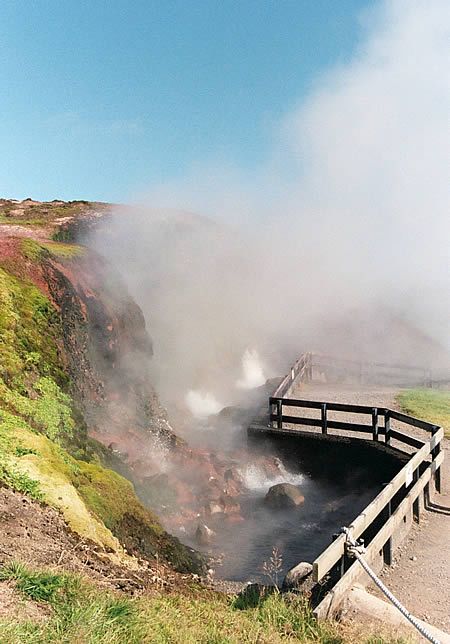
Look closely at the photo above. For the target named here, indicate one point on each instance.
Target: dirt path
(420, 574)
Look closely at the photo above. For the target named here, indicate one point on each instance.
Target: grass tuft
(428, 404)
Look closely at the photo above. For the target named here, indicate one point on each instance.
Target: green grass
(42, 586)
(83, 614)
(19, 481)
(40, 431)
(65, 250)
(428, 404)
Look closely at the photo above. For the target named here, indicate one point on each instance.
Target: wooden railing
(379, 521)
(382, 517)
(386, 514)
(315, 365)
(301, 371)
(367, 372)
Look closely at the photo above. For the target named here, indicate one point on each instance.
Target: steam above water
(202, 404)
(257, 480)
(252, 371)
(338, 241)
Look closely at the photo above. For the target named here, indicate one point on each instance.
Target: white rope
(358, 550)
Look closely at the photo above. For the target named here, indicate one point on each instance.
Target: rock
(204, 535)
(297, 575)
(232, 488)
(229, 504)
(252, 594)
(284, 495)
(214, 508)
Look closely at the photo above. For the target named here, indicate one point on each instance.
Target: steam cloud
(339, 241)
(253, 374)
(202, 404)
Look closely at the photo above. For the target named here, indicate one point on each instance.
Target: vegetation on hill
(38, 214)
(46, 454)
(44, 448)
(432, 405)
(75, 611)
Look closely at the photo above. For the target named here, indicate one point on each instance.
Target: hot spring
(337, 479)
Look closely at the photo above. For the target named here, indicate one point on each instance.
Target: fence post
(387, 548)
(375, 424)
(323, 414)
(280, 413)
(387, 426)
(437, 474)
(416, 503)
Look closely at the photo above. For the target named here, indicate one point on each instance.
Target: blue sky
(102, 100)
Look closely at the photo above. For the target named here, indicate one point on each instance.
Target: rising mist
(338, 241)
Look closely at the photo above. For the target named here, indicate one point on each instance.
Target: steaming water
(300, 533)
(252, 371)
(256, 480)
(202, 404)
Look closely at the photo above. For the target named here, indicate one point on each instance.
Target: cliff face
(108, 351)
(80, 379)
(75, 396)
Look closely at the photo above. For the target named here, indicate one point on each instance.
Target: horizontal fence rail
(380, 520)
(301, 371)
(372, 372)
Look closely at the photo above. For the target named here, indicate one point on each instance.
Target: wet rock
(232, 474)
(297, 575)
(232, 488)
(284, 495)
(229, 504)
(204, 535)
(214, 507)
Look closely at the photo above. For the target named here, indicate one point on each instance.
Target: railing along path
(379, 521)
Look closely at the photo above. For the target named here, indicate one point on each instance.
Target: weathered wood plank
(415, 422)
(405, 438)
(331, 424)
(333, 553)
(332, 600)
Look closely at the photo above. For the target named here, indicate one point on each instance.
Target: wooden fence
(301, 371)
(366, 372)
(386, 514)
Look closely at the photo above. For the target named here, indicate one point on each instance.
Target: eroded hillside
(70, 385)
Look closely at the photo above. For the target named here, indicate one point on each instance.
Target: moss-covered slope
(44, 448)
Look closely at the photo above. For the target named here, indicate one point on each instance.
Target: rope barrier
(357, 550)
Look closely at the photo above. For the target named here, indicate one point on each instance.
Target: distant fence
(319, 366)
(385, 517)
(366, 372)
(300, 371)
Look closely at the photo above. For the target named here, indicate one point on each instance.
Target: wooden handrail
(335, 550)
(410, 476)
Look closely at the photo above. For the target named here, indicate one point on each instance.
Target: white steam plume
(202, 404)
(252, 371)
(341, 234)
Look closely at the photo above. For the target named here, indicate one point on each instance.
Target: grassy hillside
(429, 404)
(44, 449)
(68, 609)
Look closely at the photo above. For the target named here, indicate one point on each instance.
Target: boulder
(284, 495)
(204, 535)
(297, 575)
(213, 507)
